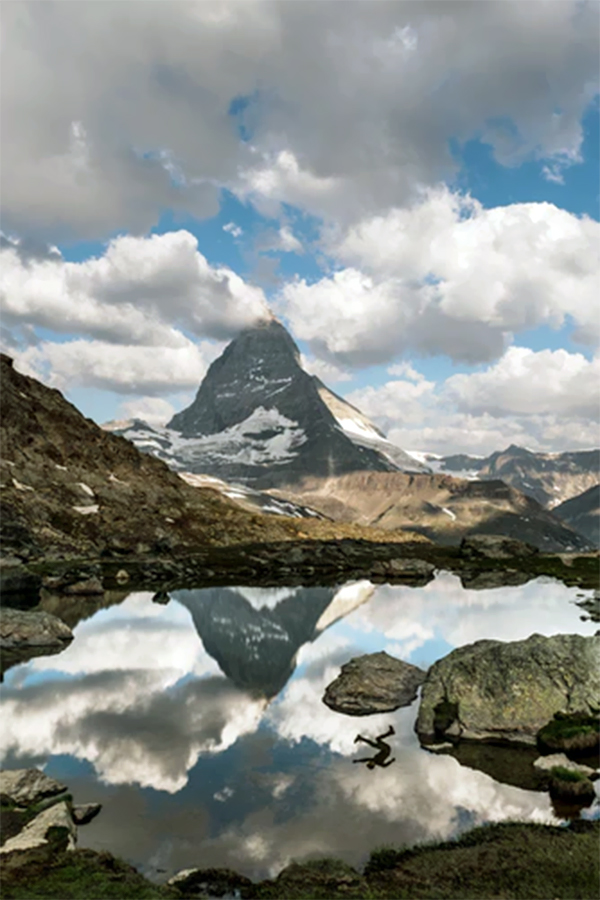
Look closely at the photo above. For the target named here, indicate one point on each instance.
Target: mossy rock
(318, 879)
(571, 787)
(576, 735)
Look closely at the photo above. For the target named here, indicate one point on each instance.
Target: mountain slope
(258, 418)
(438, 506)
(68, 487)
(583, 514)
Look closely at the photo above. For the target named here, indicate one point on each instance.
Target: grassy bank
(504, 861)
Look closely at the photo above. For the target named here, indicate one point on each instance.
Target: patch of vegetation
(78, 875)
(567, 774)
(520, 861)
(576, 734)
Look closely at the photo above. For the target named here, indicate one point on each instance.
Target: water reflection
(212, 706)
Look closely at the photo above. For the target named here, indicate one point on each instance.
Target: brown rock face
(373, 683)
(69, 488)
(440, 507)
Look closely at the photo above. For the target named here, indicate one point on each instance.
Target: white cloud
(547, 400)
(326, 371)
(127, 369)
(525, 382)
(138, 291)
(446, 276)
(233, 229)
(348, 106)
(154, 410)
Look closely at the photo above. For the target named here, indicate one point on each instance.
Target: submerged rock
(373, 683)
(28, 786)
(492, 690)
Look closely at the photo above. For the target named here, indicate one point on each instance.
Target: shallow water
(200, 728)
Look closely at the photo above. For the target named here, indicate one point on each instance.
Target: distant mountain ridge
(260, 419)
(550, 478)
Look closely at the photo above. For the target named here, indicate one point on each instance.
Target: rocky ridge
(550, 478)
(442, 508)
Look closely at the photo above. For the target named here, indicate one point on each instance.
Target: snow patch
(449, 512)
(87, 510)
(85, 488)
(22, 487)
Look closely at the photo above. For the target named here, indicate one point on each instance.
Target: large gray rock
(28, 786)
(35, 834)
(19, 629)
(373, 683)
(507, 691)
(495, 546)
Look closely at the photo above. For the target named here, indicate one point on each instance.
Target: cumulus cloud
(125, 369)
(155, 410)
(139, 290)
(526, 382)
(105, 141)
(547, 400)
(446, 276)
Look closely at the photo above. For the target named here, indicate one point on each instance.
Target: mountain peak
(260, 418)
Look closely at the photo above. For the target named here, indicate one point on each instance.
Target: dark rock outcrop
(495, 546)
(499, 691)
(373, 683)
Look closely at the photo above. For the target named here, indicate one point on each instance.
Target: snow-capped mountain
(260, 419)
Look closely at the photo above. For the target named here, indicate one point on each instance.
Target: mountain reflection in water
(199, 725)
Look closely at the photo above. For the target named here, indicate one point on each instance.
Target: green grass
(567, 774)
(517, 861)
(576, 733)
(79, 875)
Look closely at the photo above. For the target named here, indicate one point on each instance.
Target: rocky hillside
(550, 478)
(70, 489)
(583, 514)
(439, 506)
(260, 419)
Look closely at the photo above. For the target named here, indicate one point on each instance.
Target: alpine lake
(196, 720)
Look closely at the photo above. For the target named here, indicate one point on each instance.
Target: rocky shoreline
(305, 562)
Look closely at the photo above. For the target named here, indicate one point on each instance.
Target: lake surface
(199, 725)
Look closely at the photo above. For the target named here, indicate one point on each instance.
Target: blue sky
(419, 205)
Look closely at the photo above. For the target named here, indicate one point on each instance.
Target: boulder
(36, 833)
(495, 546)
(373, 683)
(19, 629)
(546, 763)
(492, 690)
(84, 813)
(28, 786)
(405, 569)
